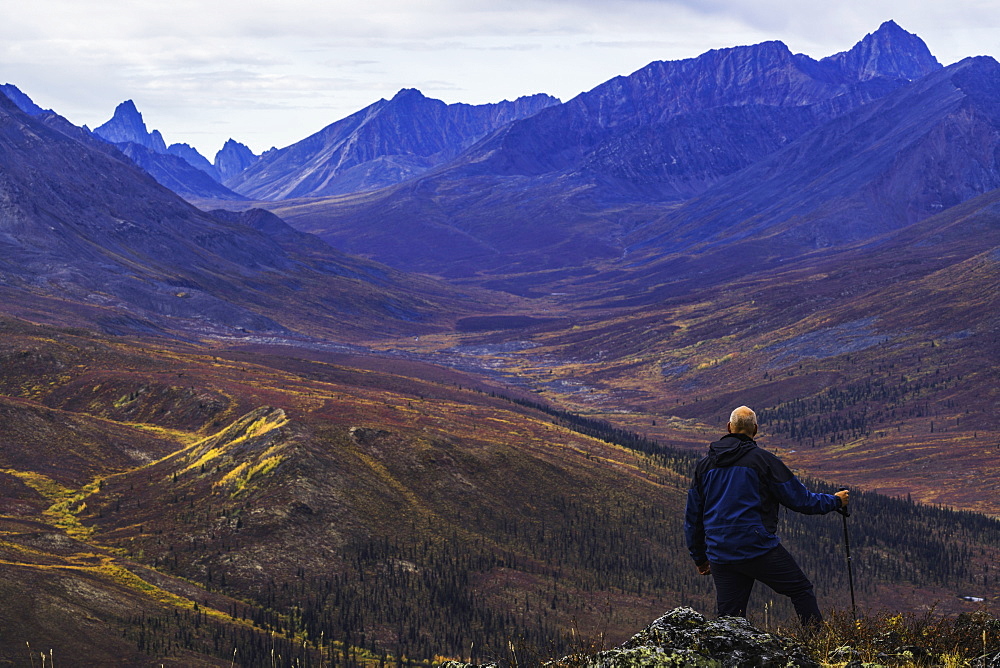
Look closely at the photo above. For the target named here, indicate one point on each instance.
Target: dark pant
(776, 569)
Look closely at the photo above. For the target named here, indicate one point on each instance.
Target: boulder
(684, 637)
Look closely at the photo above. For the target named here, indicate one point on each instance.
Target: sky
(272, 73)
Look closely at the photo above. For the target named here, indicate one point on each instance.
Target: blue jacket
(732, 506)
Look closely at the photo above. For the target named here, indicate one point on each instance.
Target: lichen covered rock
(684, 638)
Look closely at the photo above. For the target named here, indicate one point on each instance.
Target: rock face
(922, 149)
(24, 103)
(889, 51)
(126, 125)
(684, 638)
(232, 159)
(385, 143)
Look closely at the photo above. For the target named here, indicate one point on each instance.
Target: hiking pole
(845, 513)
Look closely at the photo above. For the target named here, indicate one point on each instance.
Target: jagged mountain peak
(890, 52)
(127, 108)
(127, 125)
(25, 103)
(409, 94)
(233, 158)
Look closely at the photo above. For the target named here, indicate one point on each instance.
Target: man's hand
(843, 496)
(705, 568)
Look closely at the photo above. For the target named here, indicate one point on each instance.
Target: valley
(430, 383)
(237, 487)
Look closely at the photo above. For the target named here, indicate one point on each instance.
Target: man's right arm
(793, 494)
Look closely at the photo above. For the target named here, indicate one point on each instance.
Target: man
(732, 516)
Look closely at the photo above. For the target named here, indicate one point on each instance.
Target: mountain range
(385, 143)
(614, 170)
(87, 232)
(433, 380)
(178, 166)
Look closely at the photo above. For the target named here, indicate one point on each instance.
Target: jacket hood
(731, 448)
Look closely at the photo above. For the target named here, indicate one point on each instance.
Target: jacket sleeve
(694, 524)
(791, 493)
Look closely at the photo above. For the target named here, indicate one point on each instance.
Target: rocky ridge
(684, 638)
(385, 143)
(178, 166)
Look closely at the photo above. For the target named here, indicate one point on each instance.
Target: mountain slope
(24, 103)
(310, 497)
(918, 151)
(177, 173)
(573, 183)
(387, 142)
(80, 223)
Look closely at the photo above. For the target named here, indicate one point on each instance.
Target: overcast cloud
(271, 73)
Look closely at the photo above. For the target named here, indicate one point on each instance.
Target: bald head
(743, 421)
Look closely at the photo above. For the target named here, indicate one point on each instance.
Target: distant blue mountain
(23, 102)
(768, 93)
(126, 125)
(190, 155)
(385, 143)
(87, 230)
(599, 175)
(923, 148)
(176, 173)
(179, 166)
(233, 158)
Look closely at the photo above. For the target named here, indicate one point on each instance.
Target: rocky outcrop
(685, 638)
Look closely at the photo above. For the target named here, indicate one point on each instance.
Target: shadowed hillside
(90, 239)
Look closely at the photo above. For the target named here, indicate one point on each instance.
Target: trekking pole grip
(844, 510)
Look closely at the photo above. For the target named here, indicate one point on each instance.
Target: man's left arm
(694, 527)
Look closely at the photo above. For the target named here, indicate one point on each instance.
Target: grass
(66, 503)
(901, 640)
(905, 639)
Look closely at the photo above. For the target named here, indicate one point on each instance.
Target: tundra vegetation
(199, 499)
